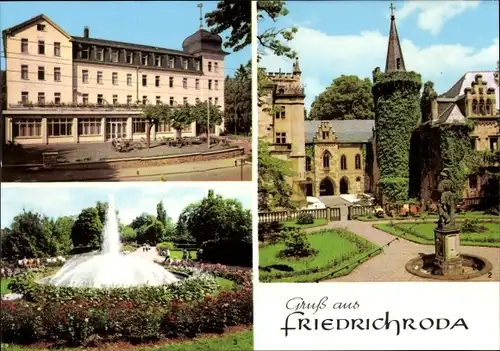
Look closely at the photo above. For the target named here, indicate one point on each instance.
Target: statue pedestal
(447, 242)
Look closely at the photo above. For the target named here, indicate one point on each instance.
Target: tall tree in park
(217, 218)
(62, 228)
(348, 97)
(87, 229)
(235, 16)
(273, 189)
(161, 213)
(180, 117)
(199, 113)
(154, 114)
(30, 235)
(238, 100)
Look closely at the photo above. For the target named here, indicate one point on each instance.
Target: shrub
(162, 247)
(472, 226)
(268, 230)
(227, 251)
(297, 245)
(305, 218)
(189, 289)
(85, 322)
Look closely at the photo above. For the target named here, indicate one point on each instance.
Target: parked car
(314, 203)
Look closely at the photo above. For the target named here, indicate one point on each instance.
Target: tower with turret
(396, 95)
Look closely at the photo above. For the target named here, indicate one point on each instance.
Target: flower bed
(91, 321)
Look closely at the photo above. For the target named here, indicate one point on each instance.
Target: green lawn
(235, 341)
(3, 286)
(461, 215)
(337, 248)
(225, 284)
(423, 233)
(317, 222)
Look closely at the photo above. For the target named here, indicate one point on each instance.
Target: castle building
(63, 88)
(334, 157)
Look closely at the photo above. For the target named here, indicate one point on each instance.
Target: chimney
(85, 32)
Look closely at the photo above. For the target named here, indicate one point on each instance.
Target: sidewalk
(113, 174)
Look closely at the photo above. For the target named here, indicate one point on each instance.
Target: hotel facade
(69, 89)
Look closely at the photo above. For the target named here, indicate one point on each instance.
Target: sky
(131, 200)
(441, 40)
(158, 23)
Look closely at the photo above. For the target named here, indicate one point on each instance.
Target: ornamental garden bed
(488, 233)
(423, 216)
(338, 253)
(316, 223)
(60, 317)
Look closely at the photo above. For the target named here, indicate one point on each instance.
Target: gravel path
(151, 255)
(389, 266)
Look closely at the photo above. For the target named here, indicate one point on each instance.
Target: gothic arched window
(474, 107)
(357, 161)
(326, 160)
(308, 164)
(481, 107)
(488, 107)
(343, 162)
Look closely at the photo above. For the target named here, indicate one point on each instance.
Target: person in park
(185, 254)
(199, 253)
(167, 255)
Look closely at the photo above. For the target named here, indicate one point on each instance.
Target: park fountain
(110, 268)
(448, 263)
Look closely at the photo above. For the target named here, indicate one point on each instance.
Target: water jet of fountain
(110, 267)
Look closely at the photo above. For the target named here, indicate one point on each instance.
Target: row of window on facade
(41, 47)
(326, 162)
(212, 84)
(494, 145)
(101, 101)
(212, 66)
(63, 127)
(482, 108)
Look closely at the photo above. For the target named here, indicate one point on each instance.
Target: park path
(151, 255)
(389, 265)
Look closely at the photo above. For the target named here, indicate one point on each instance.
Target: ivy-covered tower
(396, 95)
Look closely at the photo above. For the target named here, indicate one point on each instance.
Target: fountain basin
(425, 266)
(111, 271)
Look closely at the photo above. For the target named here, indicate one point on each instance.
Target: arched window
(326, 160)
(358, 184)
(488, 107)
(474, 107)
(343, 162)
(357, 161)
(481, 107)
(308, 164)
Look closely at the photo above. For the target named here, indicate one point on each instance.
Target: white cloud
(432, 15)
(324, 57)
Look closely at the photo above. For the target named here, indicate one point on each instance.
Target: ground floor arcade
(82, 128)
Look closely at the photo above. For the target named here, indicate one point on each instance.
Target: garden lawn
(3, 286)
(336, 248)
(317, 223)
(225, 284)
(177, 254)
(423, 233)
(242, 340)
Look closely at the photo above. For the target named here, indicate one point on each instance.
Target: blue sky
(131, 199)
(440, 39)
(160, 23)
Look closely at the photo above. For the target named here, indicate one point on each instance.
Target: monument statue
(446, 203)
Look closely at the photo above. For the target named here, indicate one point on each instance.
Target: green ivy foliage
(397, 114)
(457, 155)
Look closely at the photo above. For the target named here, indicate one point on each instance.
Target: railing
(329, 213)
(358, 211)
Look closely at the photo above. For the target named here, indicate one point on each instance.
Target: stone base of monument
(447, 244)
(448, 263)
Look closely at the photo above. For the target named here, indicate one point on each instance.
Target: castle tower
(394, 61)
(395, 119)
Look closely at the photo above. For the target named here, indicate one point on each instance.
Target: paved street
(389, 266)
(215, 170)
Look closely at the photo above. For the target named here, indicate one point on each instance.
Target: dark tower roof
(394, 61)
(203, 40)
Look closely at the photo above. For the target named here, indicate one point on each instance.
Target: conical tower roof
(395, 61)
